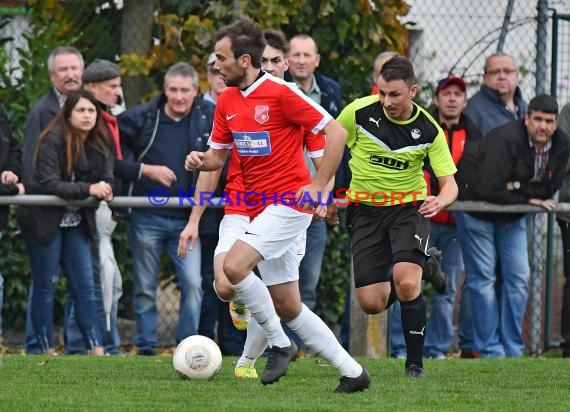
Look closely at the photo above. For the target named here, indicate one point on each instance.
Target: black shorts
(383, 236)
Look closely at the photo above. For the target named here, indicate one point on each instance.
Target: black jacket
(506, 156)
(50, 177)
(10, 159)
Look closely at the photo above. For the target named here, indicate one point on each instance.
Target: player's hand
(430, 207)
(189, 234)
(194, 161)
(160, 174)
(310, 196)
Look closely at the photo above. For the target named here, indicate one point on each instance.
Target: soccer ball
(197, 357)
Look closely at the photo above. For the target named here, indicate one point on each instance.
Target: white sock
(316, 335)
(253, 292)
(255, 344)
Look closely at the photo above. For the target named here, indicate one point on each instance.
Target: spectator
(523, 161)
(563, 220)
(216, 82)
(73, 161)
(158, 135)
(499, 101)
(10, 184)
(103, 79)
(215, 319)
(377, 65)
(65, 67)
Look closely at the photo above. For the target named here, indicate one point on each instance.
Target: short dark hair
(543, 103)
(277, 40)
(398, 68)
(247, 38)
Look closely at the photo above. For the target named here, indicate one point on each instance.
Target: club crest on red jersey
(261, 114)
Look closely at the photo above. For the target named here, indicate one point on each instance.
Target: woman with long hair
(73, 160)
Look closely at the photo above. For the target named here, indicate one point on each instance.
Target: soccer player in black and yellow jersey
(389, 136)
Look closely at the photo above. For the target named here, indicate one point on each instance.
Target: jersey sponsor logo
(261, 114)
(388, 162)
(230, 116)
(371, 119)
(252, 143)
(418, 332)
(416, 134)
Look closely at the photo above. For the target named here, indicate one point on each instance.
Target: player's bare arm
(206, 183)
(334, 148)
(432, 205)
(208, 161)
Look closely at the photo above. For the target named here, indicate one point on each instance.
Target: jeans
(148, 234)
(310, 268)
(565, 314)
(215, 319)
(70, 248)
(439, 329)
(110, 338)
(497, 320)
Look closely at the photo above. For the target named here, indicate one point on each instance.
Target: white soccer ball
(197, 357)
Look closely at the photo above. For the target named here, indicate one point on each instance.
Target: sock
(253, 292)
(255, 344)
(414, 327)
(218, 295)
(393, 296)
(316, 335)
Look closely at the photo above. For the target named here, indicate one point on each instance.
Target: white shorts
(231, 228)
(279, 235)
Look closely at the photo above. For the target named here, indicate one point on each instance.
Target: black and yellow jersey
(388, 154)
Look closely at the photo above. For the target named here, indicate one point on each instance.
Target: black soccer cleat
(350, 385)
(415, 371)
(278, 361)
(438, 279)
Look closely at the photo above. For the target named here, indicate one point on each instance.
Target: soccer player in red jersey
(264, 118)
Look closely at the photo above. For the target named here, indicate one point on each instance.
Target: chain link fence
(446, 36)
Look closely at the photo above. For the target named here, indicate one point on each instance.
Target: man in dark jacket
(523, 161)
(158, 136)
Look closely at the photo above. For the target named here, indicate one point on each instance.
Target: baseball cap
(100, 70)
(448, 81)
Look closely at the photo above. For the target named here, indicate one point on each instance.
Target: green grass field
(151, 384)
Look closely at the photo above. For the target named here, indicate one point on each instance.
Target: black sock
(393, 296)
(414, 327)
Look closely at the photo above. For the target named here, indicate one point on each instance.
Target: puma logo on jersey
(419, 238)
(415, 332)
(230, 116)
(375, 121)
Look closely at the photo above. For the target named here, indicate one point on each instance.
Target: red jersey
(265, 123)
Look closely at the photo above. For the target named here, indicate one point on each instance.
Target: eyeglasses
(496, 72)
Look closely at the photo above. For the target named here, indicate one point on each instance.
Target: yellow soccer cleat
(240, 315)
(245, 371)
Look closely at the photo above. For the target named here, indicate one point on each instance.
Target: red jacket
(456, 137)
